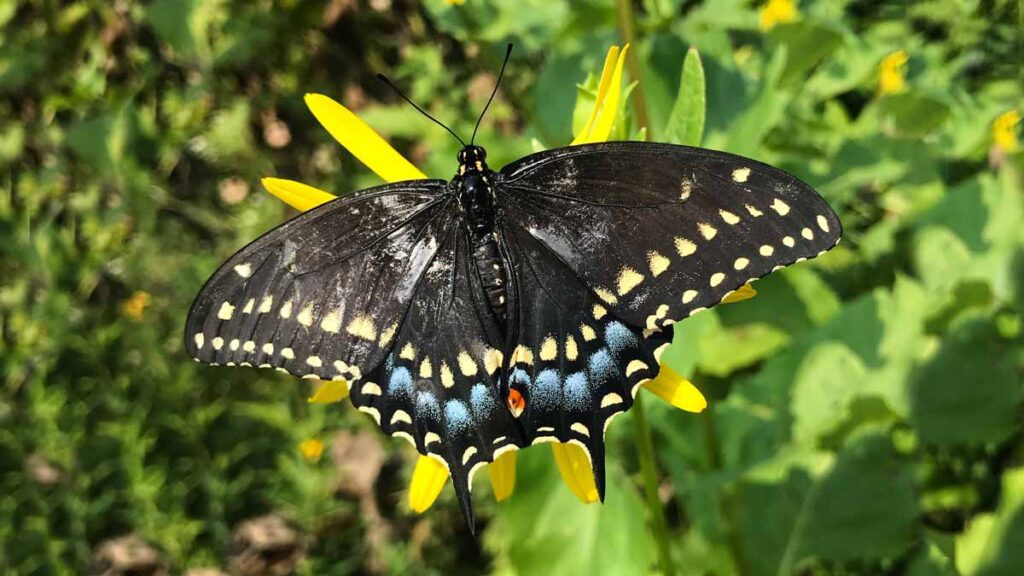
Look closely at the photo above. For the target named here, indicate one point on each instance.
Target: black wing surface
(322, 295)
(438, 386)
(659, 232)
(576, 365)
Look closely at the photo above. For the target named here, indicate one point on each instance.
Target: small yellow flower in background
(775, 12)
(135, 305)
(1004, 131)
(312, 450)
(430, 473)
(892, 73)
(455, 2)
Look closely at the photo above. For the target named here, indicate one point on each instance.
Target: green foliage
(865, 408)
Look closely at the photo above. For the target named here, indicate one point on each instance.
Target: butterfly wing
(322, 294)
(658, 232)
(438, 387)
(576, 365)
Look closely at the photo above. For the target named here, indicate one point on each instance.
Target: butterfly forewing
(322, 294)
(659, 232)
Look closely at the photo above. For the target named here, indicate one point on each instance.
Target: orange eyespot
(516, 402)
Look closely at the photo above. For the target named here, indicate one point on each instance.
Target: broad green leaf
(911, 114)
(967, 392)
(544, 529)
(829, 379)
(807, 44)
(686, 123)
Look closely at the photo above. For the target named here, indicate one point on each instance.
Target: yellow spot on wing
(571, 351)
(305, 316)
(717, 278)
(823, 223)
(332, 322)
(707, 231)
(225, 312)
(753, 211)
(522, 354)
(408, 352)
(628, 279)
(688, 296)
(807, 233)
(729, 218)
(248, 306)
(244, 270)
(657, 263)
(606, 296)
(740, 174)
(265, 304)
(362, 327)
(599, 311)
(286, 310)
(492, 360)
(588, 332)
(766, 250)
(466, 364)
(447, 378)
(548, 349)
(741, 263)
(684, 247)
(781, 207)
(388, 334)
(426, 369)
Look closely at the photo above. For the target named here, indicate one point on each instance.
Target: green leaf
(968, 391)
(911, 114)
(991, 543)
(544, 529)
(829, 379)
(807, 44)
(686, 122)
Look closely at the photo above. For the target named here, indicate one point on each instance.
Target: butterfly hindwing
(575, 365)
(659, 231)
(438, 387)
(322, 294)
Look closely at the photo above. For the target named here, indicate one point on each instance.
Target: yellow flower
(776, 12)
(431, 473)
(135, 305)
(891, 73)
(312, 450)
(455, 2)
(1004, 131)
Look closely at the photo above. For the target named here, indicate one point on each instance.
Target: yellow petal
(428, 478)
(330, 391)
(361, 140)
(745, 292)
(300, 196)
(603, 129)
(574, 466)
(602, 88)
(503, 475)
(677, 391)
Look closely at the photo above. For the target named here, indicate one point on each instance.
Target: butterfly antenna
(384, 79)
(508, 52)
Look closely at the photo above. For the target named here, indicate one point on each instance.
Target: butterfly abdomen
(477, 200)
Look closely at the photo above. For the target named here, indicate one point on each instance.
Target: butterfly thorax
(476, 197)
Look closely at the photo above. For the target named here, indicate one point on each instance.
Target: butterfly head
(472, 160)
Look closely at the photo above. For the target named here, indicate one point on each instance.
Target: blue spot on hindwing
(619, 337)
(576, 393)
(546, 391)
(427, 407)
(456, 416)
(400, 383)
(601, 366)
(483, 402)
(520, 377)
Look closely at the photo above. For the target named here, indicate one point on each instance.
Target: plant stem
(624, 10)
(649, 471)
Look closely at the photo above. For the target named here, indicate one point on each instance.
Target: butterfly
(503, 309)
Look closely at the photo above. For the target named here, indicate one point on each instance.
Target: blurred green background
(865, 408)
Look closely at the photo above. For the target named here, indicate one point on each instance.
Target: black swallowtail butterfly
(504, 309)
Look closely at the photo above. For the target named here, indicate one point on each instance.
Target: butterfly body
(512, 308)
